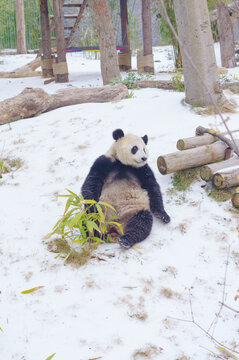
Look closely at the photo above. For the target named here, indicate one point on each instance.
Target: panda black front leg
(137, 229)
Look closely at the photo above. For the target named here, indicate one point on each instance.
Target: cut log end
(206, 173)
(218, 181)
(235, 200)
(162, 166)
(180, 145)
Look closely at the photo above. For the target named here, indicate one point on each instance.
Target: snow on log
(192, 142)
(207, 171)
(190, 158)
(31, 102)
(226, 179)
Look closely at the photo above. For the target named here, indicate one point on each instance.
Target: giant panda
(123, 179)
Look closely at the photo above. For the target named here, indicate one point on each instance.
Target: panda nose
(143, 158)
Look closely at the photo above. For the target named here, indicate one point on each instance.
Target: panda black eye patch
(134, 149)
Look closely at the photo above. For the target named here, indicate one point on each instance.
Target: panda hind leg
(137, 229)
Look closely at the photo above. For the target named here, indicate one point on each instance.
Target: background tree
(21, 29)
(108, 53)
(226, 36)
(194, 30)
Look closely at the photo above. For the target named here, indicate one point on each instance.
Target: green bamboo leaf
(104, 228)
(98, 207)
(68, 204)
(75, 220)
(117, 224)
(1, 330)
(107, 205)
(89, 202)
(72, 193)
(31, 290)
(50, 357)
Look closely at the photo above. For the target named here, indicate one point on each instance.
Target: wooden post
(47, 69)
(60, 67)
(21, 38)
(108, 53)
(147, 36)
(125, 54)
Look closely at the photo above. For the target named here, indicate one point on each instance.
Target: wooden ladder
(77, 18)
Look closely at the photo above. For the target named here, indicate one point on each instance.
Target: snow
(135, 300)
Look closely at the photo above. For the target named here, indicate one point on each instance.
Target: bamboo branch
(232, 144)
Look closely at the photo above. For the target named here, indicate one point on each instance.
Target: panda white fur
(123, 179)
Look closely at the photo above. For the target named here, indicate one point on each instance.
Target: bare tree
(194, 30)
(226, 36)
(21, 37)
(108, 53)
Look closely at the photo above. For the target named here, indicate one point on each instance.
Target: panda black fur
(123, 179)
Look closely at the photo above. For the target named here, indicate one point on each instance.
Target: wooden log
(207, 171)
(226, 179)
(235, 199)
(27, 70)
(160, 84)
(190, 158)
(194, 141)
(31, 102)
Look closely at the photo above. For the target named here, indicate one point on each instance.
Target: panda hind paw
(164, 217)
(124, 242)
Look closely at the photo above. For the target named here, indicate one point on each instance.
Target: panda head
(129, 149)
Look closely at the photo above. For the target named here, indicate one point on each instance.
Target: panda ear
(117, 134)
(145, 139)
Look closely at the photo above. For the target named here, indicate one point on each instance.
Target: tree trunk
(226, 37)
(124, 60)
(21, 37)
(31, 102)
(60, 68)
(190, 158)
(226, 179)
(147, 36)
(194, 29)
(47, 69)
(207, 171)
(108, 53)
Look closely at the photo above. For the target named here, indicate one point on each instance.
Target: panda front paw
(163, 216)
(124, 242)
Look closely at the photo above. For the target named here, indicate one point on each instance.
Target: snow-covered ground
(127, 306)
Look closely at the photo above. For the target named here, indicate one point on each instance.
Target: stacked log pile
(216, 154)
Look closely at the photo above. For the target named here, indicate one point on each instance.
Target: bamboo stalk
(207, 171)
(187, 159)
(227, 179)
